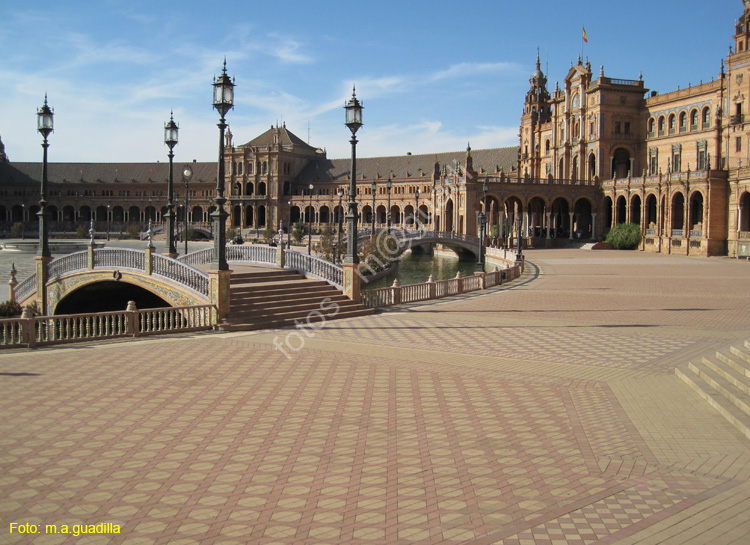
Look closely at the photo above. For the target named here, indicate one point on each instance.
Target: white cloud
(469, 69)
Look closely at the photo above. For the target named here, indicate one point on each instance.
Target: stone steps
(723, 380)
(266, 299)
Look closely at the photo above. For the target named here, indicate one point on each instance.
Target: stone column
(571, 225)
(549, 226)
(593, 225)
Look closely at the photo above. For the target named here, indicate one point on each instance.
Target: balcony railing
(737, 119)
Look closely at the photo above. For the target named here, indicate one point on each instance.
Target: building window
(627, 127)
(661, 126)
(651, 127)
(653, 161)
(683, 122)
(738, 144)
(592, 129)
(694, 120)
(672, 124)
(618, 127)
(706, 117)
(677, 158)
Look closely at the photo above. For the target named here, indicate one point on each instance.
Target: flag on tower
(585, 36)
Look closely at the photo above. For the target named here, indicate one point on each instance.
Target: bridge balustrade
(25, 288)
(315, 266)
(180, 272)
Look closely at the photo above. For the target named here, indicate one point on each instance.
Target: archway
(592, 167)
(395, 215)
(107, 296)
(678, 212)
(621, 210)
(561, 217)
(237, 217)
(262, 188)
(249, 216)
(607, 208)
(651, 212)
(69, 213)
(582, 218)
(134, 214)
(448, 219)
(324, 214)
(261, 217)
(620, 163)
(381, 215)
(84, 214)
(744, 223)
(537, 217)
(294, 214)
(696, 212)
(635, 209)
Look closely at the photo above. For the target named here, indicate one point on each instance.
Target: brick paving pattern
(543, 412)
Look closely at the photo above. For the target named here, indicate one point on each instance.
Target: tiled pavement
(545, 412)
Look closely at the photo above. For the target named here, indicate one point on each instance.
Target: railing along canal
(49, 330)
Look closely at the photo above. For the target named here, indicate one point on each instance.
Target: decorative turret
(3, 157)
(469, 159)
(742, 30)
(537, 99)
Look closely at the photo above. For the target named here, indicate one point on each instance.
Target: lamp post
(170, 139)
(187, 173)
(388, 186)
(519, 254)
(482, 227)
(289, 230)
(223, 102)
(416, 208)
(374, 188)
(45, 125)
(354, 122)
(309, 223)
(340, 193)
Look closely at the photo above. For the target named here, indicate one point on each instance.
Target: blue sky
(432, 75)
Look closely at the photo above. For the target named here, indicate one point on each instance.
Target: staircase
(723, 380)
(268, 298)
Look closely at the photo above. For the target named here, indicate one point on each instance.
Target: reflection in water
(415, 269)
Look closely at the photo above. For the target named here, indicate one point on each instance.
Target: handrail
(25, 288)
(199, 257)
(252, 253)
(315, 266)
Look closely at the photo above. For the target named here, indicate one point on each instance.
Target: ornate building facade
(593, 152)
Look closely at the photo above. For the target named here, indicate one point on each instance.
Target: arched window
(672, 124)
(661, 126)
(694, 120)
(547, 147)
(683, 122)
(706, 117)
(651, 126)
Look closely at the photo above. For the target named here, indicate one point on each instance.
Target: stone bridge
(178, 282)
(463, 245)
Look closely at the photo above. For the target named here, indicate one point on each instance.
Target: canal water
(415, 269)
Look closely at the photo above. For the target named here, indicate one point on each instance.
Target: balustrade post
(148, 264)
(432, 287)
(28, 331)
(90, 256)
(12, 283)
(482, 279)
(460, 283)
(131, 317)
(396, 292)
(280, 256)
(219, 290)
(352, 281)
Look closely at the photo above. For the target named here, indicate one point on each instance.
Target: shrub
(298, 232)
(10, 309)
(133, 231)
(16, 230)
(82, 231)
(325, 248)
(624, 236)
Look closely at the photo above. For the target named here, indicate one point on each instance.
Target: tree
(325, 248)
(298, 232)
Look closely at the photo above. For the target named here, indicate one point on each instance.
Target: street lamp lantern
(171, 131)
(354, 113)
(223, 102)
(45, 125)
(187, 173)
(223, 92)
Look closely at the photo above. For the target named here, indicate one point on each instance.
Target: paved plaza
(543, 412)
